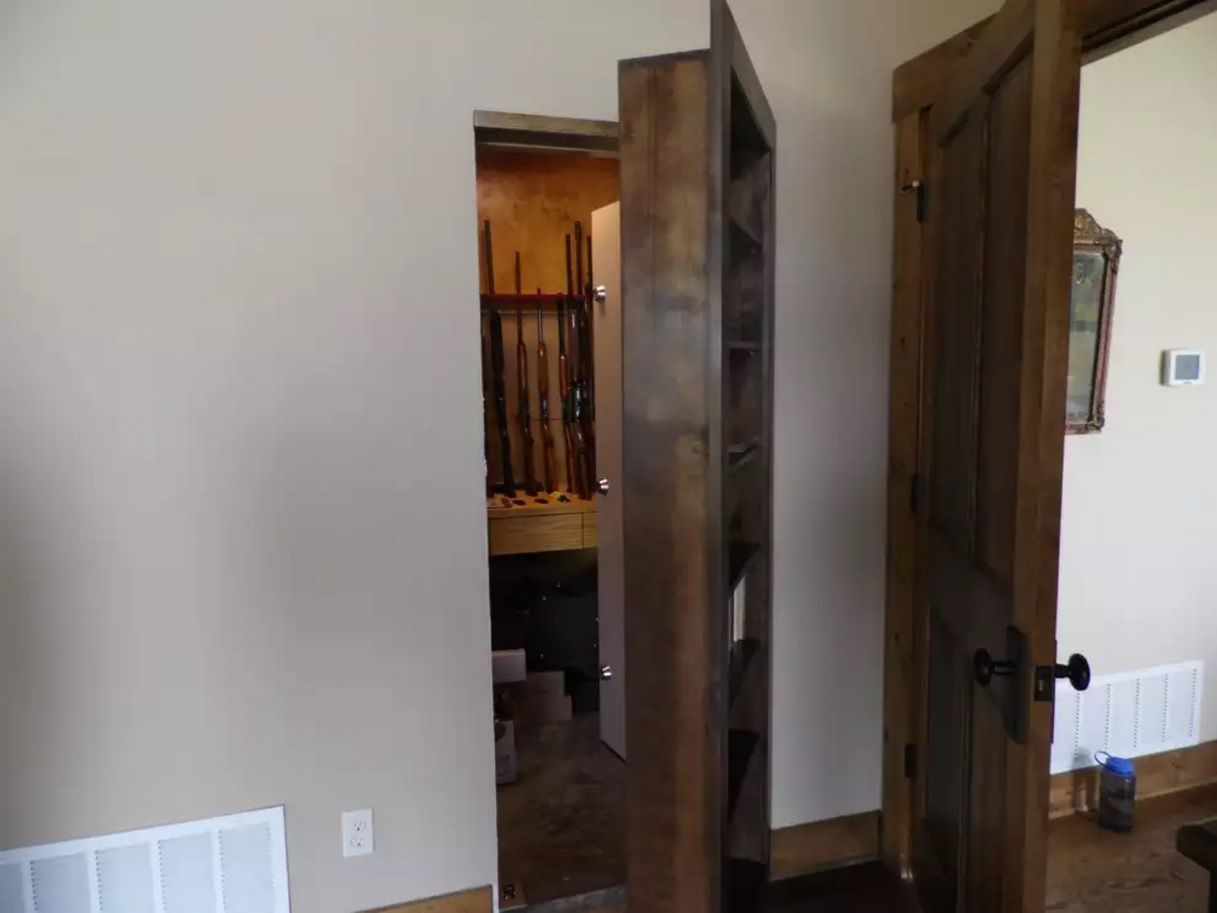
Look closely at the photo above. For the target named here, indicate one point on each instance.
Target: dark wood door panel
(1009, 117)
(1001, 146)
(960, 260)
(946, 761)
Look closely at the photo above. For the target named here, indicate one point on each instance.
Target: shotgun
(496, 369)
(522, 405)
(547, 436)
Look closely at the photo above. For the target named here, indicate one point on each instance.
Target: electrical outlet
(358, 836)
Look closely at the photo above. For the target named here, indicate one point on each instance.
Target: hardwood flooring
(1089, 870)
(1093, 871)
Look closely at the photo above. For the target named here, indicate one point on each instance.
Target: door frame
(1106, 26)
(556, 134)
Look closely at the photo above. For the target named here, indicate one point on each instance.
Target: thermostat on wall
(1182, 367)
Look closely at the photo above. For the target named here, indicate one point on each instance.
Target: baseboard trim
(477, 900)
(805, 849)
(1157, 775)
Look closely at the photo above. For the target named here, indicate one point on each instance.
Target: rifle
(496, 365)
(547, 437)
(575, 479)
(530, 476)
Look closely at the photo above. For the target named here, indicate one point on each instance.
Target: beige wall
(1138, 576)
(242, 547)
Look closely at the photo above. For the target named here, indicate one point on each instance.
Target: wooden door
(1001, 158)
(610, 545)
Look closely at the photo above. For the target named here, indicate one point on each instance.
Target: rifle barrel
(530, 475)
(547, 435)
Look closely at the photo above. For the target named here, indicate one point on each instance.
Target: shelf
(742, 454)
(740, 556)
(744, 345)
(745, 234)
(511, 303)
(742, 654)
(741, 747)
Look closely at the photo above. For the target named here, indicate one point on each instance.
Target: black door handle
(1077, 671)
(985, 667)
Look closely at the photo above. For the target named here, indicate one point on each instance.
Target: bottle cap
(1121, 767)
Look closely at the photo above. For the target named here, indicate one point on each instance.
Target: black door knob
(1077, 670)
(985, 667)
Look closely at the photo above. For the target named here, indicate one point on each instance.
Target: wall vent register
(235, 864)
(1128, 715)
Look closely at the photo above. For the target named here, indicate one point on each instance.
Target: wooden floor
(1089, 871)
(1093, 871)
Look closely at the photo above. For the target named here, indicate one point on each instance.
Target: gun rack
(547, 522)
(512, 303)
(539, 395)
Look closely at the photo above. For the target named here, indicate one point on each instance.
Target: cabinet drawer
(515, 535)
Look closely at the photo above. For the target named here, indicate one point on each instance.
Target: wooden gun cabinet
(697, 144)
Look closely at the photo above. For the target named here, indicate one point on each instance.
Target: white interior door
(606, 253)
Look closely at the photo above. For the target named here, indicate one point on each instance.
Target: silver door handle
(600, 293)
(606, 673)
(603, 486)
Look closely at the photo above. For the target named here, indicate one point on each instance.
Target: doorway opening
(1138, 488)
(551, 364)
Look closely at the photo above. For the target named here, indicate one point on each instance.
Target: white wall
(1138, 581)
(238, 413)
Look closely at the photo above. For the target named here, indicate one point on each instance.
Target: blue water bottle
(1117, 792)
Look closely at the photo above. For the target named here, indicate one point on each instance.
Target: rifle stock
(522, 404)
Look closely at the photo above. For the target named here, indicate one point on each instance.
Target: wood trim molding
(1157, 775)
(1112, 25)
(501, 128)
(476, 900)
(900, 660)
(808, 848)
(1107, 26)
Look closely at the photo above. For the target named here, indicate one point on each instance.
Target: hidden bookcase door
(697, 143)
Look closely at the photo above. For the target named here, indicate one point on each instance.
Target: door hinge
(922, 189)
(915, 493)
(910, 761)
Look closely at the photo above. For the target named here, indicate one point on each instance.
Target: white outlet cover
(358, 835)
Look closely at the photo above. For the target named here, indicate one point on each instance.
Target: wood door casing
(1002, 159)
